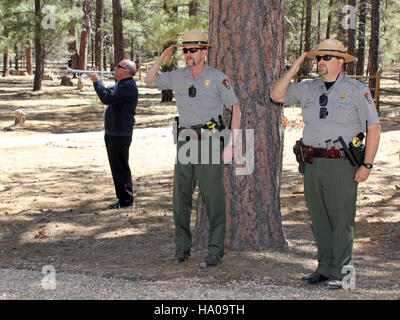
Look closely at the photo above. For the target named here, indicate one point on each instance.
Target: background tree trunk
(37, 82)
(16, 58)
(306, 67)
(28, 53)
(83, 51)
(373, 56)
(248, 37)
(99, 34)
(351, 45)
(362, 20)
(6, 64)
(329, 20)
(118, 34)
(193, 8)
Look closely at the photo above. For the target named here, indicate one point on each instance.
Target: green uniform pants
(211, 182)
(331, 195)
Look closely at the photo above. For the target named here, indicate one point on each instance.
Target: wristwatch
(233, 144)
(368, 165)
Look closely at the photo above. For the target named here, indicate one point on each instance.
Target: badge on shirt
(206, 83)
(344, 95)
(181, 87)
(308, 100)
(226, 83)
(368, 97)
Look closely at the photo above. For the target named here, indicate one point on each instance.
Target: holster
(304, 154)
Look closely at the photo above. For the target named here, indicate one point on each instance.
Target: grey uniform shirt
(213, 90)
(349, 106)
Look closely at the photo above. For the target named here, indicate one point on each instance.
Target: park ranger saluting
(333, 106)
(201, 92)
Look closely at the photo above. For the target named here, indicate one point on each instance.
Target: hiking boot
(181, 257)
(211, 260)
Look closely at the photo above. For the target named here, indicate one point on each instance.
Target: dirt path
(54, 194)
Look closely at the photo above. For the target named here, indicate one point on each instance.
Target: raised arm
(281, 86)
(151, 75)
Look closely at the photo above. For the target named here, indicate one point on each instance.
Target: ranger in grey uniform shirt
(201, 93)
(349, 106)
(333, 105)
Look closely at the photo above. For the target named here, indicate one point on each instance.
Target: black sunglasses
(323, 101)
(191, 50)
(119, 66)
(326, 57)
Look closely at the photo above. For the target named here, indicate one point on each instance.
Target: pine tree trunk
(249, 47)
(99, 34)
(362, 20)
(83, 50)
(373, 56)
(351, 45)
(302, 27)
(306, 67)
(118, 34)
(6, 64)
(28, 53)
(37, 82)
(329, 20)
(16, 58)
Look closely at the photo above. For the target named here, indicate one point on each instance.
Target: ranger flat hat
(333, 47)
(194, 37)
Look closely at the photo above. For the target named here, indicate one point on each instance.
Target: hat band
(194, 42)
(332, 50)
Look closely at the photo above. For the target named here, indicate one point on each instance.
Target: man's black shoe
(181, 257)
(120, 204)
(211, 260)
(314, 278)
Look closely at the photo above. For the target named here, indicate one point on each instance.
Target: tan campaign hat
(333, 47)
(194, 37)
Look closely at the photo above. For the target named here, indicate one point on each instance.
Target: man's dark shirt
(122, 99)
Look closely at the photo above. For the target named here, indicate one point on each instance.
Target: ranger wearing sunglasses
(201, 92)
(332, 105)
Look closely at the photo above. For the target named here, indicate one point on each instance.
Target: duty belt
(201, 132)
(323, 153)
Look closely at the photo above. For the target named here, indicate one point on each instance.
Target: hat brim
(194, 44)
(345, 56)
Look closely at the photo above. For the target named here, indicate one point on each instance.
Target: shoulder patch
(368, 97)
(226, 83)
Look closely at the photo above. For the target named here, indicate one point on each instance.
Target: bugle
(90, 71)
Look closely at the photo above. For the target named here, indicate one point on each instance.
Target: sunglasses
(326, 57)
(119, 66)
(191, 50)
(323, 101)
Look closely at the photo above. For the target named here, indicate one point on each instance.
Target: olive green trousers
(210, 178)
(331, 194)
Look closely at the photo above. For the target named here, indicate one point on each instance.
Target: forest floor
(55, 186)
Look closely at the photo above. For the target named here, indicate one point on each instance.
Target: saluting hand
(297, 64)
(166, 55)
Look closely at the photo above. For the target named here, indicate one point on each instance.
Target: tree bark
(351, 44)
(362, 20)
(302, 27)
(99, 34)
(28, 53)
(373, 56)
(193, 8)
(118, 33)
(83, 50)
(6, 64)
(329, 20)
(37, 82)
(306, 67)
(249, 47)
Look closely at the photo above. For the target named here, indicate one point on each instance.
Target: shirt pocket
(308, 111)
(345, 113)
